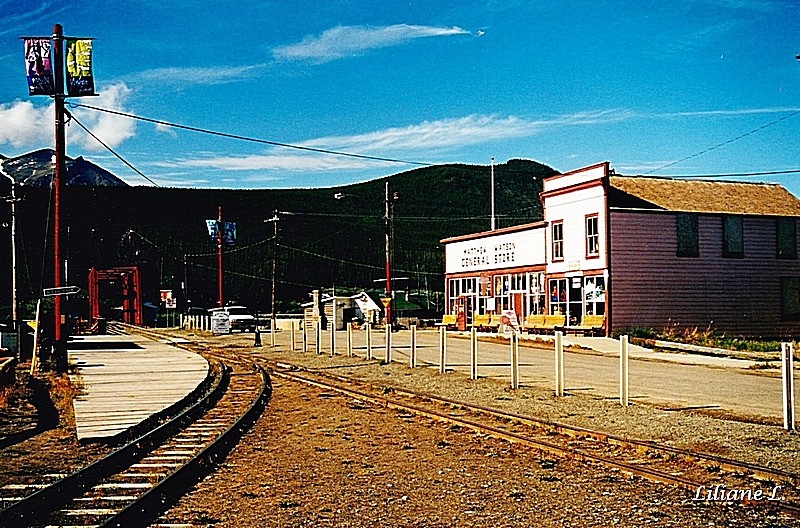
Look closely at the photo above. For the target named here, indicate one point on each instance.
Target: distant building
(642, 251)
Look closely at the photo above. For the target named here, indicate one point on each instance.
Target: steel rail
(38, 505)
(147, 508)
(653, 475)
(756, 471)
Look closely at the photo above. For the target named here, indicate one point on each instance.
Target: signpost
(61, 290)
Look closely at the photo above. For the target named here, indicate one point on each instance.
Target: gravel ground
(319, 459)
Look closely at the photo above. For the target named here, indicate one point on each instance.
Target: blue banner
(39, 66)
(228, 231)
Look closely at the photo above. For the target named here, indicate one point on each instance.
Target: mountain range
(35, 169)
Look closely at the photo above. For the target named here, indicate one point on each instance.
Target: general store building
(642, 252)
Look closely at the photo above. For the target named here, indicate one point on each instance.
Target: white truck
(239, 318)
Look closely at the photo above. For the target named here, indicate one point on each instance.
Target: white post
(442, 349)
(559, 369)
(623, 371)
(787, 378)
(412, 355)
(369, 341)
(388, 356)
(333, 324)
(349, 340)
(333, 335)
(318, 336)
(291, 335)
(514, 360)
(473, 353)
(272, 324)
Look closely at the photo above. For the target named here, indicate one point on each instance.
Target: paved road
(712, 383)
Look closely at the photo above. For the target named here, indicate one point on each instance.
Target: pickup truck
(239, 318)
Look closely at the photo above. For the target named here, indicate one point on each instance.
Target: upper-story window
(732, 236)
(592, 236)
(688, 235)
(558, 240)
(786, 229)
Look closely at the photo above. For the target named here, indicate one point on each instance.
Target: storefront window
(594, 292)
(577, 296)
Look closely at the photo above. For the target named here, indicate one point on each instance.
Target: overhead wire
(107, 147)
(727, 142)
(252, 139)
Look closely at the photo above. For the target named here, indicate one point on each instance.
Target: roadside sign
(386, 301)
(171, 303)
(220, 323)
(61, 290)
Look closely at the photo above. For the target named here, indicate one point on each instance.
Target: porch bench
(590, 324)
(544, 323)
(485, 322)
(449, 321)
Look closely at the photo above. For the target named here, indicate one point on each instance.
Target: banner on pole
(39, 66)
(228, 231)
(79, 67)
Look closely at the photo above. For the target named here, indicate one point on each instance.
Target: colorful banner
(39, 66)
(79, 67)
(228, 232)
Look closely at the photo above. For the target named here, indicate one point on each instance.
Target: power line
(251, 139)
(728, 142)
(137, 171)
(734, 174)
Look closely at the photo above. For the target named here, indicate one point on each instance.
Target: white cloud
(112, 129)
(345, 41)
(469, 130)
(405, 142)
(27, 126)
(202, 76)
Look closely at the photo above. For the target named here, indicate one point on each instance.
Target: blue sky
(689, 87)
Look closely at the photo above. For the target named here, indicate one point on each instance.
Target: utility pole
(273, 318)
(220, 227)
(58, 172)
(494, 224)
(388, 219)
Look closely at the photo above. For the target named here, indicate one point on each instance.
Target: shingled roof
(703, 196)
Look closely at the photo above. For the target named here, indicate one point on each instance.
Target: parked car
(196, 310)
(239, 318)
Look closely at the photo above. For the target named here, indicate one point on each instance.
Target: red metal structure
(128, 278)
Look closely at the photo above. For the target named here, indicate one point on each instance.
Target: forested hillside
(322, 242)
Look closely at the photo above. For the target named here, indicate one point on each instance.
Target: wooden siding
(571, 209)
(652, 287)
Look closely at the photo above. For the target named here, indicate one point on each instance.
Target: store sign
(523, 248)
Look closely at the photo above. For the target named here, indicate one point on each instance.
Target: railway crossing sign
(61, 290)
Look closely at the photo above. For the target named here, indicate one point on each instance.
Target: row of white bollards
(787, 361)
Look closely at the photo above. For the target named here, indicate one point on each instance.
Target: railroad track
(139, 481)
(658, 463)
(689, 470)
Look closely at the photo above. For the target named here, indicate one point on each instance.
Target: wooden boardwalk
(124, 379)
